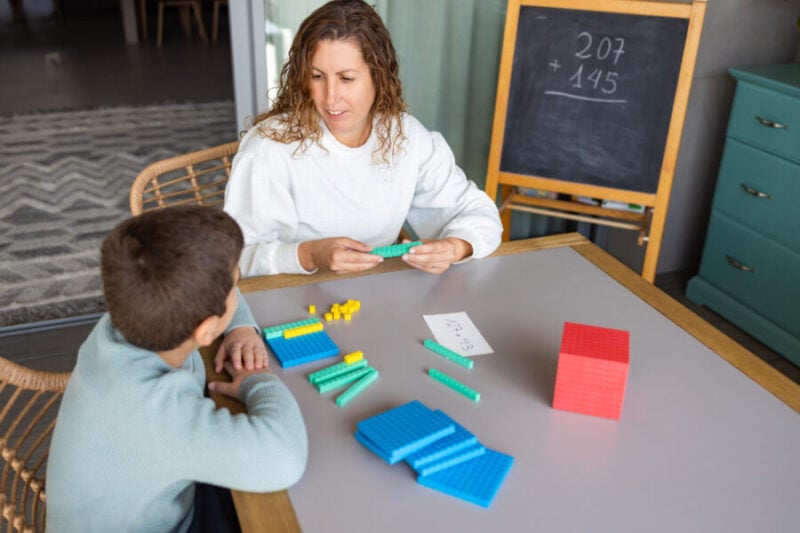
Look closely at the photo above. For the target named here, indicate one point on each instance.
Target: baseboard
(45, 325)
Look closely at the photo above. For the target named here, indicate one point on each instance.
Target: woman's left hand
(436, 256)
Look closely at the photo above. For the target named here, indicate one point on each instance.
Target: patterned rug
(64, 183)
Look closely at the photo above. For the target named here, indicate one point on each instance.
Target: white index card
(457, 332)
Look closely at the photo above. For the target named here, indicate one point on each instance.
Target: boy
(137, 446)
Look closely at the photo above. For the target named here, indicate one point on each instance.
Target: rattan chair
(30, 401)
(194, 178)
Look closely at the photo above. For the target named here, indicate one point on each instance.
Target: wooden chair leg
(215, 24)
(199, 18)
(143, 18)
(186, 20)
(160, 37)
(17, 11)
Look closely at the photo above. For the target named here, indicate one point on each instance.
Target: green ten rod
(447, 353)
(457, 386)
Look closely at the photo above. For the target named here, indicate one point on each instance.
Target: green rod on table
(448, 353)
(457, 386)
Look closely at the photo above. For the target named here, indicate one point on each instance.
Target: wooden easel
(650, 223)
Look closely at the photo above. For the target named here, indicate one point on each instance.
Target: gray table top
(699, 447)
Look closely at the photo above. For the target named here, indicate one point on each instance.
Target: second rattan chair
(195, 178)
(30, 401)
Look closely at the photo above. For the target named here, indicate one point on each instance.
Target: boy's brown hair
(166, 271)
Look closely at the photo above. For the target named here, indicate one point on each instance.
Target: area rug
(64, 183)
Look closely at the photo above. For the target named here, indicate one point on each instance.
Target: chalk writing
(601, 83)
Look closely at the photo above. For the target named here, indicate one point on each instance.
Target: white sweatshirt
(281, 198)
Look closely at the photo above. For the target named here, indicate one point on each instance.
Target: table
(701, 446)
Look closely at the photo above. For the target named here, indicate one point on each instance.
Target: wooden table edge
(281, 515)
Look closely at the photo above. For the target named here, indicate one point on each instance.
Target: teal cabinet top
(783, 77)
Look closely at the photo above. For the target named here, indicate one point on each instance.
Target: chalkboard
(591, 100)
(591, 96)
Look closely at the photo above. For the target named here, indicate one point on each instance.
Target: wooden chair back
(30, 400)
(195, 178)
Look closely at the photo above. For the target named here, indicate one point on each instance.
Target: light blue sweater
(134, 435)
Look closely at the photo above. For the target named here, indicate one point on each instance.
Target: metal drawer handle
(755, 192)
(736, 264)
(770, 124)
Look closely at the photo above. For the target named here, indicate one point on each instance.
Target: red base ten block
(592, 370)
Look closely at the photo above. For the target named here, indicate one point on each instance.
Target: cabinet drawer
(752, 106)
(761, 191)
(761, 274)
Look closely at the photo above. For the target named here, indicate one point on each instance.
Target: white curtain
(449, 53)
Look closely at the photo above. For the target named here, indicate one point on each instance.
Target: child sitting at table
(137, 445)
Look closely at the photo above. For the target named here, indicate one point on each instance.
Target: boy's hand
(243, 348)
(232, 388)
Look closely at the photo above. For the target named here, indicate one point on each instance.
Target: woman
(336, 167)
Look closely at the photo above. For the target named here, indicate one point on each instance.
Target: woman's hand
(337, 254)
(436, 256)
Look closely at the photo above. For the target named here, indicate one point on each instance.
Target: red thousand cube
(592, 370)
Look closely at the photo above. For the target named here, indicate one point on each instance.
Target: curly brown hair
(294, 117)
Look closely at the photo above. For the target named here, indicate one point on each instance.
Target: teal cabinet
(750, 269)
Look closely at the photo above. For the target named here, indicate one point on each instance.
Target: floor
(80, 60)
(674, 284)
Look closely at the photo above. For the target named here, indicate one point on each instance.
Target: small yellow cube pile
(345, 310)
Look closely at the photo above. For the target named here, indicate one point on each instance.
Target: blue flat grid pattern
(460, 439)
(475, 481)
(403, 430)
(302, 349)
(371, 446)
(456, 458)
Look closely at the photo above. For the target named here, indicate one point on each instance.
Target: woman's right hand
(337, 254)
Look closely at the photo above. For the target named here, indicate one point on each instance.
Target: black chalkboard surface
(591, 101)
(591, 96)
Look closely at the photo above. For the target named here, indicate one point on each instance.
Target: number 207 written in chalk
(608, 49)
